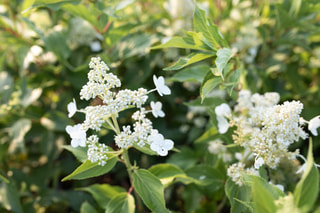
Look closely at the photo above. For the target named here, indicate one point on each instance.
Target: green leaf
(3, 178)
(210, 31)
(89, 14)
(10, 199)
(239, 197)
(205, 175)
(208, 135)
(306, 191)
(263, 193)
(150, 189)
(103, 193)
(208, 86)
(190, 59)
(295, 8)
(223, 56)
(6, 86)
(52, 4)
(26, 5)
(193, 73)
(56, 42)
(17, 132)
(87, 208)
(145, 149)
(89, 169)
(167, 173)
(186, 42)
(121, 203)
(79, 152)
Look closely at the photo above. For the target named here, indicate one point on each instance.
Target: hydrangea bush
(159, 106)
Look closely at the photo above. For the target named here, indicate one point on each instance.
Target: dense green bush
(209, 52)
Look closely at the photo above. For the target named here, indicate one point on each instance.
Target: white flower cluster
(235, 172)
(264, 127)
(100, 85)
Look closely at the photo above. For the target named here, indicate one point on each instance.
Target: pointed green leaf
(190, 59)
(186, 42)
(87, 208)
(239, 197)
(89, 14)
(193, 73)
(121, 203)
(89, 169)
(306, 191)
(263, 201)
(208, 86)
(10, 199)
(167, 173)
(52, 4)
(145, 149)
(103, 193)
(208, 135)
(150, 190)
(223, 56)
(79, 152)
(210, 31)
(206, 175)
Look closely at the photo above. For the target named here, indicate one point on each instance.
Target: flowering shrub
(162, 106)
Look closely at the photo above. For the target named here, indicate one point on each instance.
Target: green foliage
(307, 190)
(150, 190)
(207, 51)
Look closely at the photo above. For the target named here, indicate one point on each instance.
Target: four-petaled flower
(77, 134)
(223, 111)
(314, 124)
(72, 108)
(156, 109)
(159, 144)
(160, 86)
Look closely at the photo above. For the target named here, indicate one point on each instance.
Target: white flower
(156, 109)
(77, 134)
(223, 111)
(160, 86)
(95, 46)
(314, 124)
(72, 108)
(258, 162)
(159, 145)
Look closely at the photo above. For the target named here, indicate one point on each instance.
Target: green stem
(130, 169)
(115, 122)
(126, 160)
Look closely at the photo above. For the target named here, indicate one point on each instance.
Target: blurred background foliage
(44, 54)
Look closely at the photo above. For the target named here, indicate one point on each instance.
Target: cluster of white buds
(100, 85)
(264, 127)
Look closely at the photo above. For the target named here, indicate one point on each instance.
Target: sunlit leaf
(122, 203)
(89, 169)
(103, 193)
(190, 59)
(223, 56)
(306, 191)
